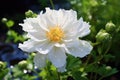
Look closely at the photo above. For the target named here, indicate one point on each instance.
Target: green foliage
(48, 71)
(3, 70)
(14, 36)
(103, 16)
(43, 3)
(73, 61)
(103, 71)
(22, 71)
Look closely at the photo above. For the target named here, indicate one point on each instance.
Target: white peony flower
(53, 34)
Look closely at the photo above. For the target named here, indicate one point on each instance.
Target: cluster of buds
(105, 35)
(29, 13)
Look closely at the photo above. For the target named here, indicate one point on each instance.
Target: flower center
(55, 34)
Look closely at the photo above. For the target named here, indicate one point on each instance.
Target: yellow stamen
(55, 34)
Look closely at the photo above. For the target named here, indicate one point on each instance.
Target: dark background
(15, 10)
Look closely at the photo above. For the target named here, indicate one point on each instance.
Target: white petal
(50, 16)
(57, 56)
(70, 22)
(44, 47)
(43, 22)
(36, 28)
(26, 26)
(79, 48)
(62, 69)
(37, 36)
(61, 17)
(32, 24)
(48, 20)
(62, 46)
(28, 46)
(71, 30)
(59, 45)
(40, 60)
(67, 17)
(84, 28)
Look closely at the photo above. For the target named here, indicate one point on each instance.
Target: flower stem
(58, 75)
(87, 61)
(51, 2)
(95, 76)
(91, 75)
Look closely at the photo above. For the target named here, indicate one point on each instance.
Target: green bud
(33, 54)
(23, 64)
(84, 74)
(82, 69)
(110, 27)
(103, 36)
(2, 65)
(4, 20)
(29, 14)
(10, 23)
(108, 68)
(30, 66)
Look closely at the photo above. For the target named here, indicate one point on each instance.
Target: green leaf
(106, 71)
(3, 73)
(103, 71)
(77, 75)
(73, 62)
(13, 36)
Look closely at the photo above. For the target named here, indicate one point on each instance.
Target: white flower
(53, 34)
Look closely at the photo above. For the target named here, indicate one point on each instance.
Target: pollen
(55, 34)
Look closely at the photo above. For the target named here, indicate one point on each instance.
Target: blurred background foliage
(104, 18)
(99, 13)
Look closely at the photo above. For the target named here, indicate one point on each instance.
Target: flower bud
(103, 36)
(4, 20)
(10, 23)
(33, 54)
(108, 68)
(82, 69)
(29, 13)
(22, 64)
(110, 27)
(2, 65)
(84, 74)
